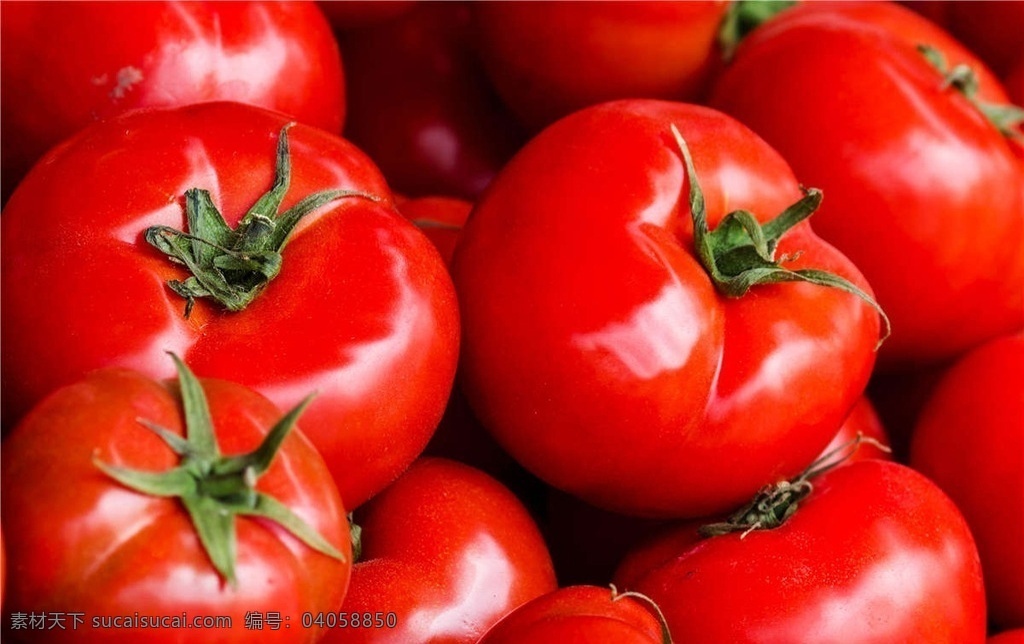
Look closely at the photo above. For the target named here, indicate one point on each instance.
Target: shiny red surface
(440, 218)
(578, 614)
(595, 346)
(79, 541)
(67, 64)
(876, 554)
(970, 440)
(921, 191)
(363, 312)
(450, 551)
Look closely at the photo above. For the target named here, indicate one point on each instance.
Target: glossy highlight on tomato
(875, 553)
(447, 549)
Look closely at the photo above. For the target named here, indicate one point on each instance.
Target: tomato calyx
(742, 17)
(232, 266)
(666, 635)
(740, 252)
(1006, 118)
(214, 488)
(774, 504)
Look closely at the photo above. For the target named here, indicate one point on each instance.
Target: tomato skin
(876, 553)
(970, 441)
(102, 59)
(449, 550)
(934, 249)
(363, 311)
(552, 58)
(434, 126)
(596, 348)
(578, 614)
(85, 543)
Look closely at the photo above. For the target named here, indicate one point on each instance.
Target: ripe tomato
(448, 551)
(860, 113)
(970, 440)
(548, 59)
(68, 64)
(362, 311)
(87, 543)
(580, 614)
(874, 553)
(420, 104)
(596, 346)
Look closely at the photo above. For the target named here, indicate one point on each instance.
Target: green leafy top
(213, 488)
(740, 253)
(230, 265)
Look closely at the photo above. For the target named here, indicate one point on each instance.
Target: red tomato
(75, 62)
(88, 544)
(970, 440)
(922, 191)
(447, 551)
(875, 553)
(362, 311)
(420, 105)
(862, 421)
(596, 346)
(440, 218)
(579, 614)
(548, 59)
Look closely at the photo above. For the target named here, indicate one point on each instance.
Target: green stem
(739, 253)
(742, 17)
(962, 78)
(232, 266)
(214, 489)
(773, 505)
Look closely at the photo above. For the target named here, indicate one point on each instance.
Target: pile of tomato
(513, 322)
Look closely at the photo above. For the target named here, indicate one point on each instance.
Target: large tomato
(874, 552)
(598, 348)
(362, 310)
(548, 59)
(206, 531)
(970, 440)
(67, 64)
(420, 104)
(580, 614)
(923, 191)
(446, 551)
